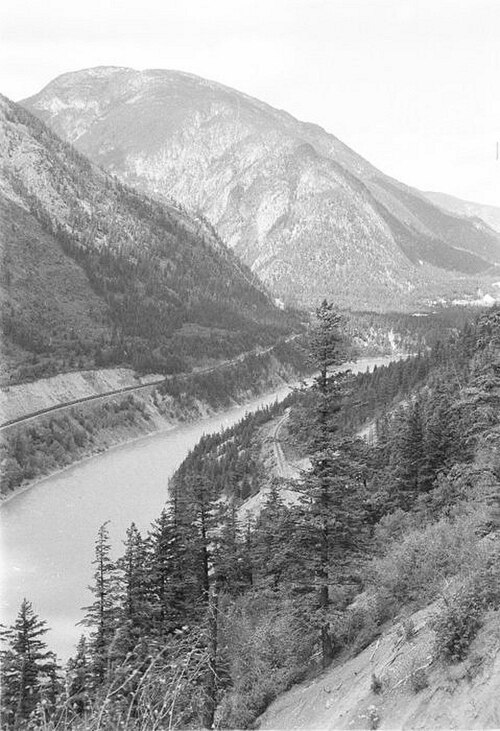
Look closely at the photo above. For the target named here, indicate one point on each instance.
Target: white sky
(412, 85)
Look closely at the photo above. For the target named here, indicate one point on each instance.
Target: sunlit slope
(303, 210)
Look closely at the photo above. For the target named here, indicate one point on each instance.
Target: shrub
(362, 620)
(376, 684)
(457, 624)
(461, 617)
(418, 680)
(373, 718)
(268, 648)
(415, 567)
(408, 626)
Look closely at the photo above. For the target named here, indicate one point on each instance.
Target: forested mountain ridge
(471, 209)
(306, 213)
(94, 273)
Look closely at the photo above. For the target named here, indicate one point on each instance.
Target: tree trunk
(211, 675)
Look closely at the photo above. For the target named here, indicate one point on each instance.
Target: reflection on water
(48, 532)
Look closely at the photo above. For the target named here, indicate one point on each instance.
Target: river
(48, 531)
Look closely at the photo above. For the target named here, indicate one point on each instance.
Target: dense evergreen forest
(204, 620)
(165, 292)
(375, 333)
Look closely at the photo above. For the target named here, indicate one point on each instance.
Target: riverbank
(53, 443)
(5, 499)
(47, 534)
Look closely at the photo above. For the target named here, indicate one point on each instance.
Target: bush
(408, 627)
(373, 718)
(376, 684)
(457, 625)
(360, 623)
(269, 645)
(461, 616)
(418, 680)
(415, 567)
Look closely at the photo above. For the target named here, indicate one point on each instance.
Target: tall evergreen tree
(27, 666)
(101, 616)
(327, 525)
(134, 591)
(273, 555)
(408, 454)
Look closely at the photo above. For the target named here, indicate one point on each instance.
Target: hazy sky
(412, 85)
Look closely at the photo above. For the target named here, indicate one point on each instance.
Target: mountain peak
(310, 216)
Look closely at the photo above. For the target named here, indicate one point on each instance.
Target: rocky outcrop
(305, 212)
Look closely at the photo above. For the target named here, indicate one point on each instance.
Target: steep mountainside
(306, 213)
(94, 273)
(489, 214)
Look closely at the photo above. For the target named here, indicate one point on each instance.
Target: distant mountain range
(488, 214)
(94, 273)
(303, 211)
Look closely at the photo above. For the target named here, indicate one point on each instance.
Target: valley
(249, 421)
(127, 483)
(37, 444)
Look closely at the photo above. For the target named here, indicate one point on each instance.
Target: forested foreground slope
(94, 274)
(378, 587)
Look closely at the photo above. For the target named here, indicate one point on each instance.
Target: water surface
(48, 532)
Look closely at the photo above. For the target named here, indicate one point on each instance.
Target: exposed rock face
(306, 213)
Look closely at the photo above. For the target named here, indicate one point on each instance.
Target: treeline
(381, 332)
(367, 396)
(52, 442)
(229, 460)
(203, 621)
(251, 374)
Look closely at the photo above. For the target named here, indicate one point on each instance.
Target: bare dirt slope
(276, 465)
(465, 695)
(25, 398)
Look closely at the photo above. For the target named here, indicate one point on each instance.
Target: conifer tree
(274, 558)
(79, 677)
(27, 666)
(134, 591)
(101, 616)
(167, 579)
(231, 561)
(408, 456)
(199, 513)
(328, 348)
(327, 528)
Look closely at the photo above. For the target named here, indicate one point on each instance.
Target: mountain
(94, 273)
(488, 214)
(304, 211)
